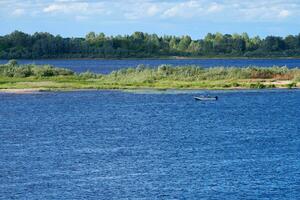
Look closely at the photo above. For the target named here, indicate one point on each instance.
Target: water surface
(161, 145)
(106, 66)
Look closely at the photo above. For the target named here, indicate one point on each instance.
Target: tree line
(17, 45)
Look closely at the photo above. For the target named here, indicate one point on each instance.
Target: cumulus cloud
(67, 8)
(284, 13)
(184, 9)
(189, 9)
(206, 10)
(135, 10)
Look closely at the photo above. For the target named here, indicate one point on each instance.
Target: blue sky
(172, 17)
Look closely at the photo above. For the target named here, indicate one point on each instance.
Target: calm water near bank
(150, 145)
(106, 66)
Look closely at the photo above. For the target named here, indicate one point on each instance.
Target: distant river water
(150, 145)
(106, 66)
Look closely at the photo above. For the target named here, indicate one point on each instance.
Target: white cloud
(18, 12)
(214, 7)
(184, 9)
(264, 11)
(284, 14)
(200, 10)
(136, 10)
(153, 10)
(68, 8)
(190, 9)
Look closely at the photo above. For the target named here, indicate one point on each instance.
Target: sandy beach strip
(20, 91)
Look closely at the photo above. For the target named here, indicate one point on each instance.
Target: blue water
(150, 145)
(106, 66)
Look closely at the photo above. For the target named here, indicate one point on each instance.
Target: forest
(20, 45)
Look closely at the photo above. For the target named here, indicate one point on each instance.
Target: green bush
(87, 75)
(195, 73)
(292, 85)
(235, 84)
(257, 86)
(12, 69)
(44, 71)
(271, 86)
(47, 71)
(12, 62)
(7, 71)
(22, 72)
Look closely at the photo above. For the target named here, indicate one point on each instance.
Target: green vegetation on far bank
(143, 45)
(15, 76)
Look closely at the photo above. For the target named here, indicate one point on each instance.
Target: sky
(75, 18)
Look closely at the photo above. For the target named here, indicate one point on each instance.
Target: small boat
(206, 98)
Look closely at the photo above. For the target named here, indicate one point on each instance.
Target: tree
(194, 47)
(184, 43)
(291, 42)
(272, 43)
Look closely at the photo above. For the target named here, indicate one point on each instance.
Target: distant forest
(19, 45)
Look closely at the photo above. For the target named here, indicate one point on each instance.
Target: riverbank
(171, 58)
(32, 78)
(27, 85)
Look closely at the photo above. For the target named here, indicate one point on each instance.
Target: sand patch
(21, 91)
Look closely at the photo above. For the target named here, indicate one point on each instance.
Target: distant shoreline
(142, 45)
(168, 58)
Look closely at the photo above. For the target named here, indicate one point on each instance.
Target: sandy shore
(21, 91)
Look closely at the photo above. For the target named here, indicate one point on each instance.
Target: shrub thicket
(148, 75)
(13, 69)
(195, 73)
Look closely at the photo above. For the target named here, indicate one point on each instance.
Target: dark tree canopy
(142, 45)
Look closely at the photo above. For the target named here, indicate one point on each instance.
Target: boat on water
(206, 98)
